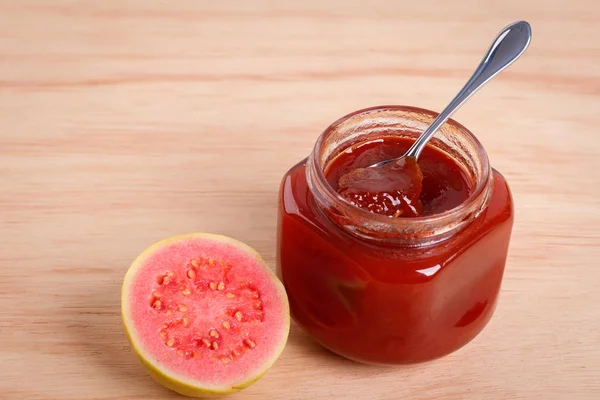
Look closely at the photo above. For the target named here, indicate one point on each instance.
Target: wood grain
(123, 122)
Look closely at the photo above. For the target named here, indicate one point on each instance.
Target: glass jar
(383, 290)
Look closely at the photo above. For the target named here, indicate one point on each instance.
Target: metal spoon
(510, 43)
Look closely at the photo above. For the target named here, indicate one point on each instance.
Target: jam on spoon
(392, 189)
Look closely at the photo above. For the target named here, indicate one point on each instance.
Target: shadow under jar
(384, 290)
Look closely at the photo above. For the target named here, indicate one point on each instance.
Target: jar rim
(479, 194)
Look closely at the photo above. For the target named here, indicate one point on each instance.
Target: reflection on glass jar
(384, 290)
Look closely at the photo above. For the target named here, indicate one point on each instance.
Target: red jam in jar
(433, 184)
(393, 274)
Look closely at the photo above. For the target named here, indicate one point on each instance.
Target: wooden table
(124, 122)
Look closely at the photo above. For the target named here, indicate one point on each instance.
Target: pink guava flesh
(206, 310)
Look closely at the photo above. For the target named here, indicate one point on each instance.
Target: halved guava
(204, 313)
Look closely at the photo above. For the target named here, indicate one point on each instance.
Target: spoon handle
(510, 43)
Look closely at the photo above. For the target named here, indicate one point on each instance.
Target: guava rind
(163, 377)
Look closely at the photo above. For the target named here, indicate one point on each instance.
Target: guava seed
(186, 292)
(182, 308)
(162, 334)
(213, 285)
(250, 343)
(195, 264)
(185, 321)
(257, 304)
(191, 274)
(180, 352)
(226, 324)
(239, 316)
(213, 333)
(229, 295)
(157, 304)
(206, 342)
(221, 286)
(225, 360)
(215, 346)
(170, 342)
(158, 295)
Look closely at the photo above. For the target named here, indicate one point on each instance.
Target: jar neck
(453, 139)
